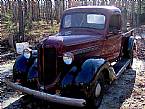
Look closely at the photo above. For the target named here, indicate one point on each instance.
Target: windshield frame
(62, 21)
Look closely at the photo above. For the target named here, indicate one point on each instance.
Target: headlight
(27, 53)
(68, 58)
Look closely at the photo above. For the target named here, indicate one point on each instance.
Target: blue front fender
(33, 71)
(25, 66)
(88, 70)
(21, 64)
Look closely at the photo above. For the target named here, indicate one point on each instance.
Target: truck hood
(70, 40)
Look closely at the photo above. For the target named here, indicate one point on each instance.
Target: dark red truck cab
(74, 66)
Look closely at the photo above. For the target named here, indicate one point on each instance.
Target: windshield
(84, 20)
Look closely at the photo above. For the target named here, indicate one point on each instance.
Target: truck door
(112, 44)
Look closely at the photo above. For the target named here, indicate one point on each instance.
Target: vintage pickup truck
(75, 66)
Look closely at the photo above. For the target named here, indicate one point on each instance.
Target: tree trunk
(133, 13)
(29, 13)
(112, 2)
(38, 9)
(103, 2)
(51, 12)
(43, 8)
(46, 11)
(85, 3)
(2, 8)
(14, 11)
(33, 9)
(98, 2)
(21, 21)
(9, 5)
(69, 3)
(25, 8)
(106, 2)
(94, 2)
(57, 10)
(119, 3)
(124, 15)
(6, 6)
(63, 4)
(139, 12)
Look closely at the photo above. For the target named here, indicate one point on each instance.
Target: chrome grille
(47, 65)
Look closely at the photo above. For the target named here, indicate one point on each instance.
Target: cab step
(121, 66)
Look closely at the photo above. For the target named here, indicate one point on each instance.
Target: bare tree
(94, 2)
(2, 7)
(9, 4)
(112, 2)
(21, 21)
(102, 2)
(38, 9)
(14, 11)
(25, 8)
(57, 10)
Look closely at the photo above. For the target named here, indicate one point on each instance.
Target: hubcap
(98, 90)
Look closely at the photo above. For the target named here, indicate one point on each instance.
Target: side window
(115, 22)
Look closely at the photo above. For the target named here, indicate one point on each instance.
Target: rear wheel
(130, 56)
(128, 51)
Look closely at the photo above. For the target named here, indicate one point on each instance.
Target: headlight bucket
(68, 58)
(27, 53)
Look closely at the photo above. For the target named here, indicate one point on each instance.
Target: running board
(121, 66)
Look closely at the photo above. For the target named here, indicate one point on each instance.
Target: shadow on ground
(119, 91)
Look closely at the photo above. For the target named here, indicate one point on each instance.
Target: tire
(130, 56)
(130, 65)
(97, 96)
(15, 74)
(19, 77)
(128, 51)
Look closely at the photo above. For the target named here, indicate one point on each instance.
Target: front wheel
(19, 77)
(97, 94)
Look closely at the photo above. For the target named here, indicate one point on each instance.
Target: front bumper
(48, 97)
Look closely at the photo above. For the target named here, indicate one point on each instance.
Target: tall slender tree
(21, 21)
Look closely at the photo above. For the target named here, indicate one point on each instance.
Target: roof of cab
(104, 9)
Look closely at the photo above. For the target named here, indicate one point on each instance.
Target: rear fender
(130, 43)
